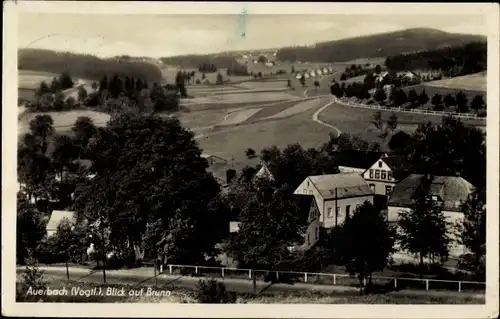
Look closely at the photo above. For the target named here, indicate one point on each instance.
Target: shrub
(212, 291)
(32, 279)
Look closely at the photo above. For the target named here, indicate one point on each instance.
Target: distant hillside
(85, 66)
(454, 60)
(384, 44)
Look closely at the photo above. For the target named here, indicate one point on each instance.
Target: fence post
(156, 277)
(161, 268)
(427, 284)
(305, 277)
(459, 286)
(223, 272)
(249, 274)
(334, 279)
(364, 281)
(277, 275)
(196, 269)
(395, 283)
(170, 268)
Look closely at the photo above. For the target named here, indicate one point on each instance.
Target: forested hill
(378, 45)
(220, 61)
(84, 65)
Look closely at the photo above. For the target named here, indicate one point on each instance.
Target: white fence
(378, 107)
(326, 278)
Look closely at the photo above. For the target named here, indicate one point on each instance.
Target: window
(372, 186)
(330, 212)
(305, 191)
(347, 211)
(371, 173)
(377, 174)
(388, 190)
(434, 198)
(383, 175)
(307, 183)
(380, 164)
(389, 175)
(310, 192)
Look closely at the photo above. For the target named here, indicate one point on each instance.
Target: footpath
(145, 276)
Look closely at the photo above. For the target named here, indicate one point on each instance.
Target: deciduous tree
(136, 184)
(472, 229)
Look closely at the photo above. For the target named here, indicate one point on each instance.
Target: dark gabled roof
(451, 190)
(340, 185)
(357, 159)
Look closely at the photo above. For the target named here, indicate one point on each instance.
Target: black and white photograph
(231, 153)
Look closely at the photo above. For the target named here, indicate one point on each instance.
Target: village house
(449, 192)
(57, 217)
(381, 174)
(336, 195)
(354, 161)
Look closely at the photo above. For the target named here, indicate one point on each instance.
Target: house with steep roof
(449, 192)
(383, 174)
(354, 161)
(57, 217)
(264, 173)
(336, 195)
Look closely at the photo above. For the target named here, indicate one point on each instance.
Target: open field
(355, 79)
(472, 82)
(28, 79)
(232, 98)
(233, 141)
(63, 120)
(168, 74)
(281, 84)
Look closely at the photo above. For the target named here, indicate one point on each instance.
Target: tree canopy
(149, 172)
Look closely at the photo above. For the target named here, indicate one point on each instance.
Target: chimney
(230, 175)
(428, 177)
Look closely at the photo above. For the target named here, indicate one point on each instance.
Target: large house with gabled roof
(384, 173)
(336, 195)
(449, 192)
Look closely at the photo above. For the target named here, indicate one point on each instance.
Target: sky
(107, 35)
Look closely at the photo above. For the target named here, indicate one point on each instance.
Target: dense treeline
(238, 69)
(85, 66)
(385, 44)
(195, 61)
(207, 68)
(397, 97)
(453, 61)
(112, 94)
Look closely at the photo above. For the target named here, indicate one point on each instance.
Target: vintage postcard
(195, 159)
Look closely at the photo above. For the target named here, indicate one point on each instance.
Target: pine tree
(424, 228)
(366, 243)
